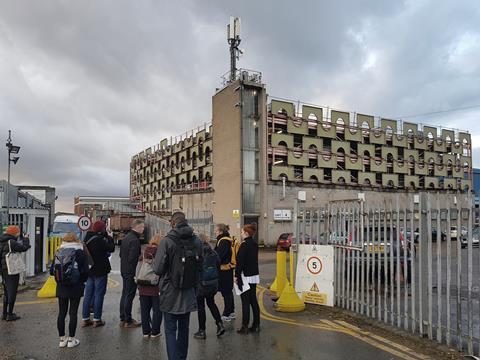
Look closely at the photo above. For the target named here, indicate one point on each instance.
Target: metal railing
(413, 266)
(201, 221)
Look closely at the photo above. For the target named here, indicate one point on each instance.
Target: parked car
(443, 235)
(284, 241)
(454, 232)
(475, 238)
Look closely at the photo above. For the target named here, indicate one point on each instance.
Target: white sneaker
(232, 316)
(226, 318)
(72, 342)
(63, 342)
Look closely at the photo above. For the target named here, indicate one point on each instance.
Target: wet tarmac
(35, 335)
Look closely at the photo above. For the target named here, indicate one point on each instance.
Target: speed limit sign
(314, 265)
(84, 223)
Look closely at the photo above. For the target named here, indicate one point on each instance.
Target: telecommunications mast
(233, 37)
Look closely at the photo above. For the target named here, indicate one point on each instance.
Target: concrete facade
(331, 154)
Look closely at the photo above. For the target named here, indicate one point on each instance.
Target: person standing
(9, 243)
(207, 288)
(178, 262)
(129, 254)
(99, 245)
(70, 269)
(247, 264)
(225, 284)
(149, 295)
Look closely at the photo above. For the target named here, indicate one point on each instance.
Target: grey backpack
(144, 274)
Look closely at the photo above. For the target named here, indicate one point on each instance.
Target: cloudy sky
(86, 84)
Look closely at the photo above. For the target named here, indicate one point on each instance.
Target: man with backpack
(207, 288)
(98, 246)
(227, 249)
(178, 262)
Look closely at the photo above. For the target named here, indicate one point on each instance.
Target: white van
(64, 224)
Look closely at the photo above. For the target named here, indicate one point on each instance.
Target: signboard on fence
(315, 274)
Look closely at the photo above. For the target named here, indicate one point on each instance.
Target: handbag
(144, 274)
(14, 260)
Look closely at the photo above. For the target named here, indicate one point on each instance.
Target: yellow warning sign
(236, 214)
(314, 298)
(314, 287)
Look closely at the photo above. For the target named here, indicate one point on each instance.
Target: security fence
(201, 221)
(415, 266)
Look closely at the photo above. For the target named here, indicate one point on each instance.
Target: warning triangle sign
(314, 287)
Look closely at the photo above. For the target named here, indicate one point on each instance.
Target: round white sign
(84, 223)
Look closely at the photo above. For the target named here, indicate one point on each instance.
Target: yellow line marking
(331, 327)
(382, 339)
(35, 302)
(112, 283)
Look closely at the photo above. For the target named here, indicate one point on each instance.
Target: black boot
(220, 329)
(13, 317)
(243, 330)
(254, 329)
(200, 334)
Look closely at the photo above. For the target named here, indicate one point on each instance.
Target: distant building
(250, 163)
(91, 204)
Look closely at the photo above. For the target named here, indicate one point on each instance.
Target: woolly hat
(250, 229)
(99, 226)
(12, 230)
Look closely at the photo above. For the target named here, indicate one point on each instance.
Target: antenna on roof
(233, 37)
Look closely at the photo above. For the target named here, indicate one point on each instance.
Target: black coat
(99, 245)
(74, 291)
(17, 246)
(224, 249)
(247, 258)
(129, 253)
(173, 300)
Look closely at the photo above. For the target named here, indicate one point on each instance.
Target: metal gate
(414, 265)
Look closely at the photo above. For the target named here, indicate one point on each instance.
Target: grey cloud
(85, 85)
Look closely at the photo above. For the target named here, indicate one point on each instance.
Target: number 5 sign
(314, 265)
(84, 223)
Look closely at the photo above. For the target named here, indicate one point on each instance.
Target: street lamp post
(11, 149)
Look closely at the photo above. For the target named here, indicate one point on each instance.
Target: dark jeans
(150, 324)
(225, 286)
(177, 342)
(202, 316)
(95, 290)
(249, 299)
(10, 287)
(63, 305)
(126, 301)
(229, 307)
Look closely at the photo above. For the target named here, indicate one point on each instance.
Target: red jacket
(145, 290)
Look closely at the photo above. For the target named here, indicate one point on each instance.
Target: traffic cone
(289, 300)
(48, 289)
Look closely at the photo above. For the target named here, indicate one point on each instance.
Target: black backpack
(65, 267)
(184, 266)
(210, 267)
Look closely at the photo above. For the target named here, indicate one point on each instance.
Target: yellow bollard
(289, 300)
(273, 287)
(48, 289)
(281, 278)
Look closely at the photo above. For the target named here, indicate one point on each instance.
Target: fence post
(423, 264)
